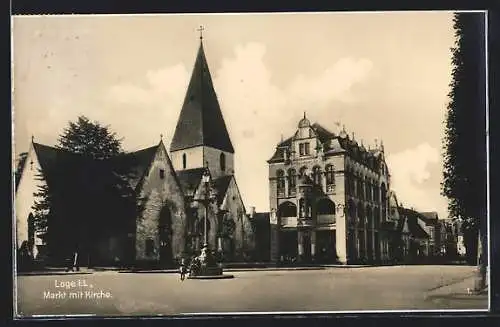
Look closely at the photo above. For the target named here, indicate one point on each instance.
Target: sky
(384, 76)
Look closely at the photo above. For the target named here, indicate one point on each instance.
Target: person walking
(73, 262)
(183, 269)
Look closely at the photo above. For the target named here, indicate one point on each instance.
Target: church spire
(201, 122)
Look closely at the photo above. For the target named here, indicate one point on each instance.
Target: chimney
(251, 213)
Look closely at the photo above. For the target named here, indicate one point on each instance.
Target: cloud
(255, 109)
(410, 170)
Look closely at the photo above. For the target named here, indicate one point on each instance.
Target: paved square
(331, 289)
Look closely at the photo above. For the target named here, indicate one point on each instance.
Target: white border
(250, 13)
(13, 178)
(485, 12)
(487, 122)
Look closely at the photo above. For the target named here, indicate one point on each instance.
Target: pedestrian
(183, 269)
(73, 262)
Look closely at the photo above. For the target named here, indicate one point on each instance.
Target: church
(329, 198)
(175, 190)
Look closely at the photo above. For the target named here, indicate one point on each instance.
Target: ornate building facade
(328, 198)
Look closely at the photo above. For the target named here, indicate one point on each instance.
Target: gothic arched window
(330, 175)
(222, 161)
(184, 161)
(302, 171)
(280, 175)
(292, 181)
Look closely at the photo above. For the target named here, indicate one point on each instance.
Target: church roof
(58, 162)
(201, 121)
(221, 185)
(190, 179)
(135, 164)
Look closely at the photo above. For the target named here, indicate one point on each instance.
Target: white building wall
(194, 158)
(25, 199)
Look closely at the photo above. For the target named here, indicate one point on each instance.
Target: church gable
(161, 225)
(231, 203)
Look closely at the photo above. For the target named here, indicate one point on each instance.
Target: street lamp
(206, 202)
(205, 265)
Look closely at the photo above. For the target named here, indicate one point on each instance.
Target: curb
(157, 271)
(223, 276)
(457, 290)
(451, 283)
(53, 273)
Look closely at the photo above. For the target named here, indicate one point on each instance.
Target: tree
(91, 139)
(464, 174)
(89, 194)
(42, 207)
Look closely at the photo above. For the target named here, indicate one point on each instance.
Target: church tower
(201, 137)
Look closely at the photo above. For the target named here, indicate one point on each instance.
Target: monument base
(205, 267)
(221, 276)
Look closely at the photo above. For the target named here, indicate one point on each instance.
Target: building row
(331, 201)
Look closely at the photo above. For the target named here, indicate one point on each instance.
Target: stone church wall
(159, 192)
(243, 235)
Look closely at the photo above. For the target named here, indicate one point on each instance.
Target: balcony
(288, 221)
(325, 219)
(305, 222)
(281, 193)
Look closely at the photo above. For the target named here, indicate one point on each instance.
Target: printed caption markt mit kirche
(75, 289)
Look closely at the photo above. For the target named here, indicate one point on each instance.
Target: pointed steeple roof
(201, 121)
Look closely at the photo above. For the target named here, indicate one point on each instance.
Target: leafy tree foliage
(42, 207)
(464, 175)
(90, 138)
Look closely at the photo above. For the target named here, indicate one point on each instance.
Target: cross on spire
(201, 29)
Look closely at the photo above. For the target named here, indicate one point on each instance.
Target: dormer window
(162, 173)
(304, 149)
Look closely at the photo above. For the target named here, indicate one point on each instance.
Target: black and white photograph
(253, 163)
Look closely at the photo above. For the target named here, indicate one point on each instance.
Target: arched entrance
(287, 209)
(165, 236)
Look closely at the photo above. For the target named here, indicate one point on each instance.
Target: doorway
(306, 245)
(165, 236)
